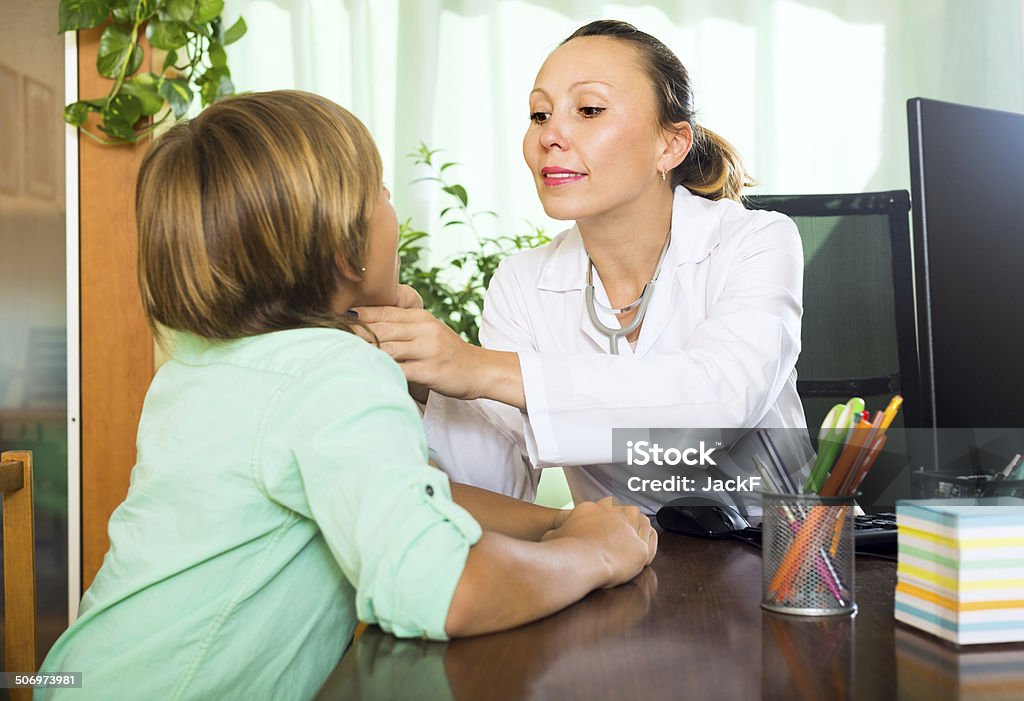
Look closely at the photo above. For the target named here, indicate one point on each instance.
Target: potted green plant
(192, 34)
(454, 290)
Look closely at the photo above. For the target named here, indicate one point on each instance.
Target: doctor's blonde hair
(714, 168)
(246, 212)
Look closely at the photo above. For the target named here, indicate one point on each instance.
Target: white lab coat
(717, 348)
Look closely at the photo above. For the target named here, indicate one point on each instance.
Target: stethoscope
(640, 304)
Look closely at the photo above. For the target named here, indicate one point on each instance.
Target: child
(282, 491)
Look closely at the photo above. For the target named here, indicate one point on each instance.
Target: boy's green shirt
(281, 493)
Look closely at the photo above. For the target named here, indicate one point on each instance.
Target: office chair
(859, 334)
(19, 567)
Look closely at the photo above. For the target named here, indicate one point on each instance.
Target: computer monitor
(967, 179)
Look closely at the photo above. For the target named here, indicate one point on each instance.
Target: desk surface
(690, 626)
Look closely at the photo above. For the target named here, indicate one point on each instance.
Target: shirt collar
(695, 233)
(192, 349)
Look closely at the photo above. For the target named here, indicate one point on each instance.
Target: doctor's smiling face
(595, 143)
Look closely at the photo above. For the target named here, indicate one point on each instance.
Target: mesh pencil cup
(807, 555)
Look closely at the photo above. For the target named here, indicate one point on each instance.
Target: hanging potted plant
(190, 35)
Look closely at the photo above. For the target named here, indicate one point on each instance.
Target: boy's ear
(346, 271)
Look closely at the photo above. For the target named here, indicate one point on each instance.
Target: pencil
(835, 480)
(891, 410)
(861, 455)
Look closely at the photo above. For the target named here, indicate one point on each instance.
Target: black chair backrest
(859, 336)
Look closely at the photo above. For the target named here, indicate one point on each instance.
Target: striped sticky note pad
(961, 568)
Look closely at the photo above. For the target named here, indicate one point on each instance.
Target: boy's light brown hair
(245, 211)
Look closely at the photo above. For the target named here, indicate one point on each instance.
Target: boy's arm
(506, 515)
(508, 582)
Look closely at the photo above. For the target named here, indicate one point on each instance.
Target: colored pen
(853, 445)
(825, 569)
(837, 531)
(876, 448)
(830, 443)
(790, 566)
(828, 426)
(833, 577)
(856, 405)
(891, 411)
(858, 461)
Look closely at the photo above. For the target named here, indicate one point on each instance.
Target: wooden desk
(689, 627)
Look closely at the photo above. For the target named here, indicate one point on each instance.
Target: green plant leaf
(235, 32)
(115, 48)
(146, 80)
(446, 166)
(423, 155)
(76, 113)
(203, 29)
(214, 84)
(167, 35)
(207, 10)
(125, 11)
(413, 237)
(177, 94)
(459, 192)
(181, 10)
(171, 59)
(144, 88)
(119, 130)
(126, 109)
(218, 57)
(81, 14)
(119, 117)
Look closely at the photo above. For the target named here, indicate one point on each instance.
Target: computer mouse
(701, 517)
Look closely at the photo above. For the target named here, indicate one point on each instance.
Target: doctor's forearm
(499, 377)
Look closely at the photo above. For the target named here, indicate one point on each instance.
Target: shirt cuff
(537, 429)
(428, 572)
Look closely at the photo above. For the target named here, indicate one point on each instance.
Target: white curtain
(812, 92)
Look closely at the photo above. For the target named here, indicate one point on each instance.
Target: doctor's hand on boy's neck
(373, 293)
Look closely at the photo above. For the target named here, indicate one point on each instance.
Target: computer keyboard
(871, 532)
(874, 529)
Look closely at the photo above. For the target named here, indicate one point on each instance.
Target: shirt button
(430, 491)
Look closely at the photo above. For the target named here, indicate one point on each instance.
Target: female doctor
(667, 304)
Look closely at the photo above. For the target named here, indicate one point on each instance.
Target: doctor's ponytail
(713, 168)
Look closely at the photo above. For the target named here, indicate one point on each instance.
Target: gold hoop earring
(662, 176)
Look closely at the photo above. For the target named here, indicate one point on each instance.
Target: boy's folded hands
(624, 535)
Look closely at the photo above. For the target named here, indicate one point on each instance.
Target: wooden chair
(19, 566)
